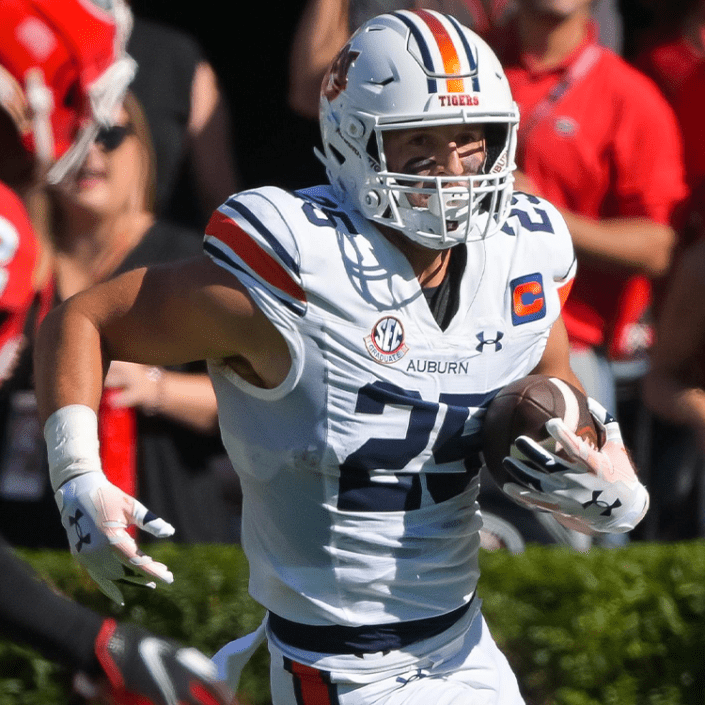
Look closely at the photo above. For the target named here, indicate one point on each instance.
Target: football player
(355, 333)
(56, 91)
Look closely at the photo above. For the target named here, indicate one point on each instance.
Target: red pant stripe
(311, 686)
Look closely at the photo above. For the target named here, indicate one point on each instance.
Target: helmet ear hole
(353, 127)
(496, 143)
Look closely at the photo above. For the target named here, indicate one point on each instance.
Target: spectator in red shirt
(675, 386)
(53, 90)
(325, 26)
(599, 141)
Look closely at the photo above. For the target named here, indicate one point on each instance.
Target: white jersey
(360, 472)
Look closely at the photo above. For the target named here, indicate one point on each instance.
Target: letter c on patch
(528, 301)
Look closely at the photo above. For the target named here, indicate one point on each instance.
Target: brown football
(522, 409)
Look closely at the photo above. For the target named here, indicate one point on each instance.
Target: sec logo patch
(528, 299)
(385, 344)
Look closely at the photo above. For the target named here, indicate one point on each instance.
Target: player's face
(446, 150)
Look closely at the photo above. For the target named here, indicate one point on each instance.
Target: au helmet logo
(528, 298)
(385, 344)
(337, 79)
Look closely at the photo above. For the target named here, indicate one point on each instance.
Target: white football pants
(478, 674)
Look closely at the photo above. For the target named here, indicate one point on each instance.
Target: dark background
(248, 45)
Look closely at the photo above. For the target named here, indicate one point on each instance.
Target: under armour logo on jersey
(603, 505)
(82, 538)
(489, 341)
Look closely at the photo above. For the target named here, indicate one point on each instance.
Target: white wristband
(71, 435)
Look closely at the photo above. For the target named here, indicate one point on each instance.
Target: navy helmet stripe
(423, 47)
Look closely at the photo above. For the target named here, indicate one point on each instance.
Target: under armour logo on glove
(594, 489)
(82, 538)
(608, 507)
(101, 513)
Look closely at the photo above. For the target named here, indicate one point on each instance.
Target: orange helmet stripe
(449, 54)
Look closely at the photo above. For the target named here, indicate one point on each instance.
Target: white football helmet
(418, 68)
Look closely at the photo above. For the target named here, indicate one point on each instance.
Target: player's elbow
(49, 331)
(59, 326)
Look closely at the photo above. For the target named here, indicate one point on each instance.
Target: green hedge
(613, 627)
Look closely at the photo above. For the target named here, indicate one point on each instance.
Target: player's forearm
(555, 361)
(639, 244)
(322, 32)
(68, 361)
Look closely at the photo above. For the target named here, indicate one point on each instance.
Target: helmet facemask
(105, 95)
(442, 211)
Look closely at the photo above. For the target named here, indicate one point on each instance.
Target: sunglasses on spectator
(110, 138)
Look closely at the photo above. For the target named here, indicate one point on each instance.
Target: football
(522, 409)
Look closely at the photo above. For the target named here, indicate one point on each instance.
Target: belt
(367, 639)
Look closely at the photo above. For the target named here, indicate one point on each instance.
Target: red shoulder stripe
(233, 236)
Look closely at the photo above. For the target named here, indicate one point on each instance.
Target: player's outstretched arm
(164, 315)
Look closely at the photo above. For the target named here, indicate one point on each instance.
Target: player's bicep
(175, 313)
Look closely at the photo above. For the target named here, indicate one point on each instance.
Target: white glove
(96, 514)
(593, 491)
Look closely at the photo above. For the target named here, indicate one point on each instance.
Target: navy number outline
(325, 212)
(358, 491)
(524, 216)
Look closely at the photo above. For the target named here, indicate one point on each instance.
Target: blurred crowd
(610, 132)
